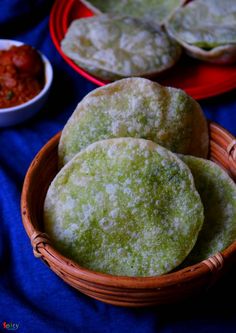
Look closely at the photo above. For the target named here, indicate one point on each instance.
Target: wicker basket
(124, 291)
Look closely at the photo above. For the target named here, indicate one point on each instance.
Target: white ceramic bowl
(17, 114)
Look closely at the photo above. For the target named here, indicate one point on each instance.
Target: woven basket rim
(68, 266)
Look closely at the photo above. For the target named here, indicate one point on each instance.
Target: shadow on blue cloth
(21, 14)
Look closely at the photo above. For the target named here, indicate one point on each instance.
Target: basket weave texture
(123, 291)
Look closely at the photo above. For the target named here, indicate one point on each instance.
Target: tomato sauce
(21, 75)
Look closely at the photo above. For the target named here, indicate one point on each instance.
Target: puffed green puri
(218, 194)
(156, 11)
(126, 207)
(136, 107)
(206, 29)
(112, 47)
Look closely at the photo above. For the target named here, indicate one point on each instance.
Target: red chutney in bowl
(21, 75)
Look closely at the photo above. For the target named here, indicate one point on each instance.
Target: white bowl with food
(25, 80)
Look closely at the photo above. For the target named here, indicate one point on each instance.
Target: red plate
(198, 79)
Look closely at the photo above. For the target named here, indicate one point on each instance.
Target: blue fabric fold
(31, 295)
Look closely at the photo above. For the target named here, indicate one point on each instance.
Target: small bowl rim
(48, 70)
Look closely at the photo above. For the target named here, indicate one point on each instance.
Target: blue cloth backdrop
(31, 295)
